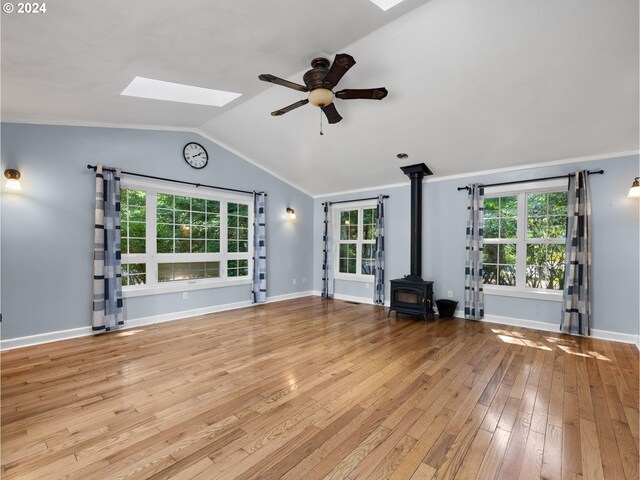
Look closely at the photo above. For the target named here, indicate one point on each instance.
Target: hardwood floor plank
(313, 388)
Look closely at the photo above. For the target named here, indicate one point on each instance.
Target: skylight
(177, 92)
(386, 4)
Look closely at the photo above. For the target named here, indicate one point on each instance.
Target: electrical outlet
(185, 295)
(450, 294)
(295, 281)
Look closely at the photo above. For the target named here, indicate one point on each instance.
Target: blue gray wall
(47, 229)
(616, 243)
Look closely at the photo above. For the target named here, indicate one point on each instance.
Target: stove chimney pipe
(416, 173)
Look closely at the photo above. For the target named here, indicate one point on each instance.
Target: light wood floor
(310, 389)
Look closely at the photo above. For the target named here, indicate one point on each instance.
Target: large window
(524, 240)
(356, 243)
(174, 238)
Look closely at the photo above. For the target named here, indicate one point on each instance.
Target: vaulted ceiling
(473, 85)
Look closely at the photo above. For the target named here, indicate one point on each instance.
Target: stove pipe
(416, 173)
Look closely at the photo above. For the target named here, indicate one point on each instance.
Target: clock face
(195, 155)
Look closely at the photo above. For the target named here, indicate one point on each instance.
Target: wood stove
(413, 295)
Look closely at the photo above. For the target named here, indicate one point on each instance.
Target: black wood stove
(412, 294)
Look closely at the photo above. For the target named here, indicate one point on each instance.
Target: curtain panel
(378, 291)
(577, 278)
(259, 248)
(107, 276)
(327, 273)
(473, 274)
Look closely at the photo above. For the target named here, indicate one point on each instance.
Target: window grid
(531, 255)
(356, 243)
(186, 237)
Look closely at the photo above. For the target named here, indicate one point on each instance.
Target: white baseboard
(351, 298)
(555, 327)
(30, 340)
(48, 337)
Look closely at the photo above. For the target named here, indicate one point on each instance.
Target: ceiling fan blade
(366, 93)
(332, 114)
(265, 77)
(284, 110)
(340, 66)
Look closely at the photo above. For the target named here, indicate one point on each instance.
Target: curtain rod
(590, 172)
(123, 172)
(354, 200)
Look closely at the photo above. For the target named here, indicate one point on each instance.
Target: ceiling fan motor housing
(314, 78)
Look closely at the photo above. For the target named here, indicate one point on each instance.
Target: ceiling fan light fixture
(321, 97)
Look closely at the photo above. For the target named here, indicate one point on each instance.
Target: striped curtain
(259, 248)
(577, 277)
(473, 294)
(378, 291)
(107, 276)
(327, 274)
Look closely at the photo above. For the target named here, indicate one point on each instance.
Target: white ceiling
(473, 85)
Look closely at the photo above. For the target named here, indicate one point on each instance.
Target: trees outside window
(524, 240)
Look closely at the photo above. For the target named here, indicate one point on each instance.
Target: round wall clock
(195, 155)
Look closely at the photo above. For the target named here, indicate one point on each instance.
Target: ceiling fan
(320, 81)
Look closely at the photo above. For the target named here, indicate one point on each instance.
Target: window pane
(232, 208)
(537, 204)
(134, 274)
(213, 219)
(232, 246)
(243, 210)
(137, 214)
(197, 246)
(213, 246)
(509, 206)
(164, 201)
(198, 204)
(344, 233)
(545, 266)
(507, 253)
(243, 246)
(183, 216)
(182, 203)
(197, 218)
(491, 206)
(165, 246)
(491, 228)
(213, 206)
(490, 253)
(164, 231)
(558, 203)
(165, 216)
(343, 267)
(369, 224)
(509, 228)
(168, 272)
(536, 227)
(137, 245)
(506, 275)
(352, 265)
(183, 246)
(490, 274)
(197, 232)
(558, 226)
(343, 250)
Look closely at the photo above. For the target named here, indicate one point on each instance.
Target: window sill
(355, 278)
(183, 286)
(555, 296)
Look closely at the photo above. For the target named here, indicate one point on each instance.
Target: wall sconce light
(13, 179)
(291, 212)
(634, 191)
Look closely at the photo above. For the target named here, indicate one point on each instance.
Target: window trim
(521, 242)
(151, 258)
(360, 206)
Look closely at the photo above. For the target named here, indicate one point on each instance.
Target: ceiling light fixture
(402, 156)
(13, 179)
(177, 92)
(386, 4)
(291, 212)
(321, 97)
(634, 191)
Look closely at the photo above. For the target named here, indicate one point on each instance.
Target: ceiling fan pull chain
(321, 123)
